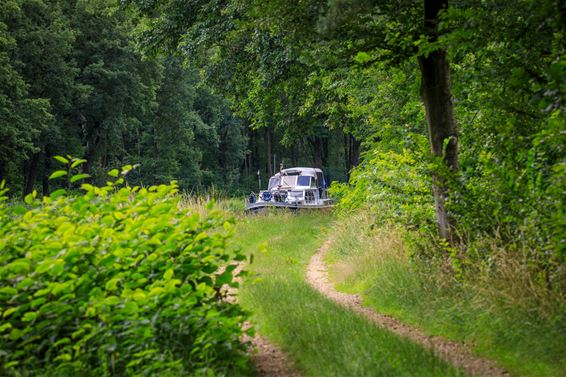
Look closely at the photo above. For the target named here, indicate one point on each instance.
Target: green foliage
(116, 280)
(323, 338)
(393, 185)
(499, 307)
(73, 81)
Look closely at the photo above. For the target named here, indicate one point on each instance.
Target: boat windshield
(284, 181)
(288, 180)
(304, 180)
(273, 182)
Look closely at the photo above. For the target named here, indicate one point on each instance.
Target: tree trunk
(436, 94)
(353, 156)
(269, 157)
(46, 171)
(318, 151)
(31, 173)
(294, 161)
(2, 171)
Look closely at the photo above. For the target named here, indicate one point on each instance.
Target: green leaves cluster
(116, 281)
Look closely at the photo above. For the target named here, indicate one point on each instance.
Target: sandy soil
(455, 353)
(267, 358)
(270, 361)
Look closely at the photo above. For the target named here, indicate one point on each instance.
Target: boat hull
(260, 206)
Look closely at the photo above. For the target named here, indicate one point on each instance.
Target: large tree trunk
(436, 94)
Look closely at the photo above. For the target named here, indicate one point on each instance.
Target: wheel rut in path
(270, 361)
(454, 353)
(267, 358)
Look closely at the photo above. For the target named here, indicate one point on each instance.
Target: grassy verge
(500, 311)
(323, 338)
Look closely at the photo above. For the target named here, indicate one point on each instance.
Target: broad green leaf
(77, 163)
(16, 334)
(78, 177)
(131, 307)
(9, 311)
(156, 291)
(111, 284)
(64, 357)
(28, 199)
(8, 291)
(57, 174)
(168, 274)
(57, 193)
(5, 326)
(61, 159)
(29, 316)
(114, 173)
(19, 210)
(87, 187)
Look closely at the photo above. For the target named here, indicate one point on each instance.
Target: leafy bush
(116, 281)
(394, 183)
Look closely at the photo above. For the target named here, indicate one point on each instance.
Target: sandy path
(456, 354)
(267, 358)
(270, 361)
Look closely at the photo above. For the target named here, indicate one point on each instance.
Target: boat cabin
(293, 187)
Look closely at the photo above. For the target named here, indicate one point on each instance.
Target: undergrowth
(499, 307)
(116, 281)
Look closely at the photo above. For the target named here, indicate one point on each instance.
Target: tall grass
(323, 338)
(500, 306)
(213, 199)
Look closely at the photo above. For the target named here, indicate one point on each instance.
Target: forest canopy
(480, 84)
(212, 92)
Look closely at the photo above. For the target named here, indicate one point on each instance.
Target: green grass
(323, 338)
(495, 314)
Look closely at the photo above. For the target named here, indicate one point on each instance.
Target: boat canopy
(297, 177)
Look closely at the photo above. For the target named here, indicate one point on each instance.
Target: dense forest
(445, 118)
(75, 82)
(479, 84)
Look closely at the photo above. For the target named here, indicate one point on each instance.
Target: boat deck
(258, 206)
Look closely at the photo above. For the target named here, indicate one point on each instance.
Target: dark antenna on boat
(258, 180)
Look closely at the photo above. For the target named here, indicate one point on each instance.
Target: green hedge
(116, 281)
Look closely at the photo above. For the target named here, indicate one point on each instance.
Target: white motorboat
(292, 188)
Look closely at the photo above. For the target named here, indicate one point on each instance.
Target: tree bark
(31, 173)
(294, 161)
(318, 151)
(46, 171)
(268, 141)
(2, 171)
(436, 93)
(353, 153)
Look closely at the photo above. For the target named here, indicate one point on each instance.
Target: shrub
(394, 184)
(116, 281)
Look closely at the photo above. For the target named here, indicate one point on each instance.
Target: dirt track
(270, 361)
(455, 353)
(267, 358)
